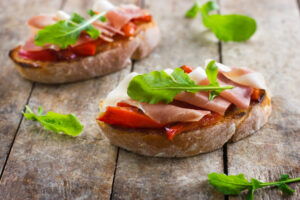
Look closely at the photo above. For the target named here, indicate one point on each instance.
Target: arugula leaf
(92, 31)
(56, 122)
(65, 33)
(231, 27)
(193, 11)
(283, 186)
(158, 86)
(91, 13)
(234, 184)
(212, 73)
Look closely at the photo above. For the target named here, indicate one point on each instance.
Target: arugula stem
(196, 88)
(88, 22)
(277, 182)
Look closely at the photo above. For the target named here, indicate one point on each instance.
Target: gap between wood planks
(225, 155)
(141, 3)
(17, 130)
(62, 5)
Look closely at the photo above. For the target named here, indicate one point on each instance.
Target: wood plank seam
(63, 2)
(113, 181)
(298, 3)
(224, 149)
(62, 5)
(17, 130)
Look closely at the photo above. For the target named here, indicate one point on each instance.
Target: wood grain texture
(14, 90)
(137, 177)
(274, 51)
(45, 165)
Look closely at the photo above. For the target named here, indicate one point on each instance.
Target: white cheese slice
(197, 75)
(120, 92)
(102, 6)
(62, 15)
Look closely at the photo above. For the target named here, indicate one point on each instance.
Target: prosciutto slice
(242, 75)
(120, 16)
(201, 100)
(166, 113)
(239, 95)
(40, 21)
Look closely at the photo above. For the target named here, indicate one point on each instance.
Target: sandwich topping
(63, 37)
(181, 99)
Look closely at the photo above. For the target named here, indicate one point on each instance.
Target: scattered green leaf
(56, 122)
(231, 27)
(235, 184)
(92, 13)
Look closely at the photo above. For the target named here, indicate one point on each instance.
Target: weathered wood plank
(45, 165)
(138, 177)
(274, 50)
(14, 90)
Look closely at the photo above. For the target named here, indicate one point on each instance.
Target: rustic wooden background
(38, 164)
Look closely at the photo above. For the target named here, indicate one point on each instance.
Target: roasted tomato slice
(85, 49)
(43, 55)
(128, 117)
(129, 29)
(187, 69)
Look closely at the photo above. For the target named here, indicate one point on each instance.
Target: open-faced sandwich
(185, 111)
(64, 48)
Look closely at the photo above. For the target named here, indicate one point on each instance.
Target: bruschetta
(64, 48)
(186, 111)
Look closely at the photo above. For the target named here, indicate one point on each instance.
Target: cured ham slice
(30, 46)
(245, 76)
(201, 100)
(107, 27)
(40, 21)
(239, 95)
(167, 113)
(242, 75)
(120, 16)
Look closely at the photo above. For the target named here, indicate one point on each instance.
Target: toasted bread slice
(235, 125)
(109, 58)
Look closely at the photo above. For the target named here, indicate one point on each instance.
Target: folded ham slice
(201, 100)
(40, 21)
(239, 95)
(167, 113)
(120, 16)
(242, 75)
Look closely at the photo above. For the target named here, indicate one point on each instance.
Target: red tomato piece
(128, 117)
(207, 120)
(43, 55)
(129, 29)
(187, 69)
(145, 18)
(85, 49)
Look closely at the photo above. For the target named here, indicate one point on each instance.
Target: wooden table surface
(39, 164)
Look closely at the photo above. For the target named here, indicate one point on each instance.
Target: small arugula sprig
(231, 27)
(158, 86)
(56, 122)
(235, 184)
(66, 32)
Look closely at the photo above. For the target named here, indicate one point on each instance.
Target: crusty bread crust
(112, 57)
(155, 143)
